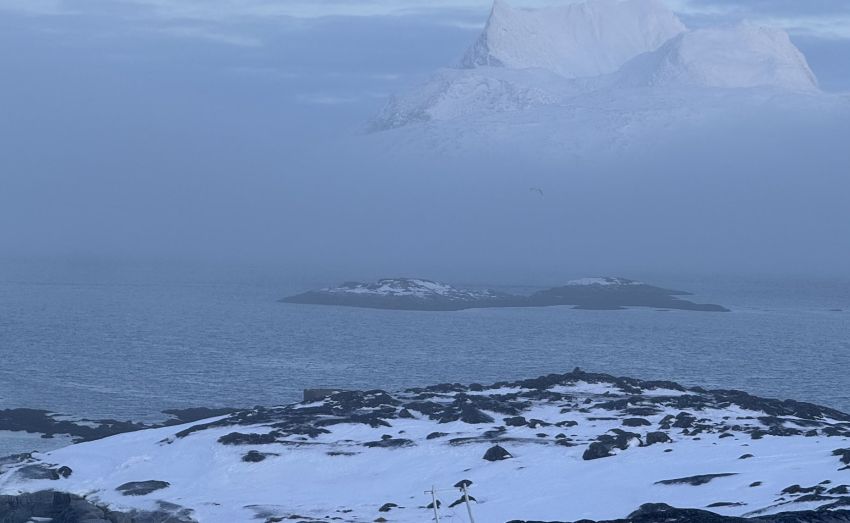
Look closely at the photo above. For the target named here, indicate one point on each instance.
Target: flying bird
(538, 190)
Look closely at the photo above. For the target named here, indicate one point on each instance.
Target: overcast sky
(148, 127)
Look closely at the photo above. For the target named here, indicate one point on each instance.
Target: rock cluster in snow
(561, 447)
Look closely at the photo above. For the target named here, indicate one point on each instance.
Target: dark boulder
(470, 414)
(38, 471)
(497, 453)
(797, 489)
(239, 438)
(255, 456)
(694, 480)
(596, 450)
(604, 447)
(566, 423)
(142, 488)
(460, 500)
(389, 443)
(684, 420)
(657, 437)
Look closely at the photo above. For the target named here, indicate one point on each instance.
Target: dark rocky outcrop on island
(426, 295)
(617, 293)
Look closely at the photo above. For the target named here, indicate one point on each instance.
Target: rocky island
(562, 447)
(606, 293)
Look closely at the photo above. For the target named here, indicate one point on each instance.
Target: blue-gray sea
(99, 340)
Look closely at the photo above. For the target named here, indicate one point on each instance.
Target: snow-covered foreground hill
(560, 447)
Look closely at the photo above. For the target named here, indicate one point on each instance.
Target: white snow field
(580, 445)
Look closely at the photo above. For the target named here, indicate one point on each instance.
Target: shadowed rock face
(68, 508)
(424, 295)
(661, 513)
(50, 424)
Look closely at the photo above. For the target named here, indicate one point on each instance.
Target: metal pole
(466, 500)
(434, 503)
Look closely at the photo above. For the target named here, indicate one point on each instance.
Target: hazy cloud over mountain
(219, 129)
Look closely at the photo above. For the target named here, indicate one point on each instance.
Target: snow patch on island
(413, 287)
(605, 281)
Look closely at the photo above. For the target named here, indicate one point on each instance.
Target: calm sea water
(108, 343)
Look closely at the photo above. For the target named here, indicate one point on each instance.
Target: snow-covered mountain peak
(576, 40)
(743, 56)
(602, 74)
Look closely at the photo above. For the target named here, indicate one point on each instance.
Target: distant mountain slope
(604, 73)
(739, 57)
